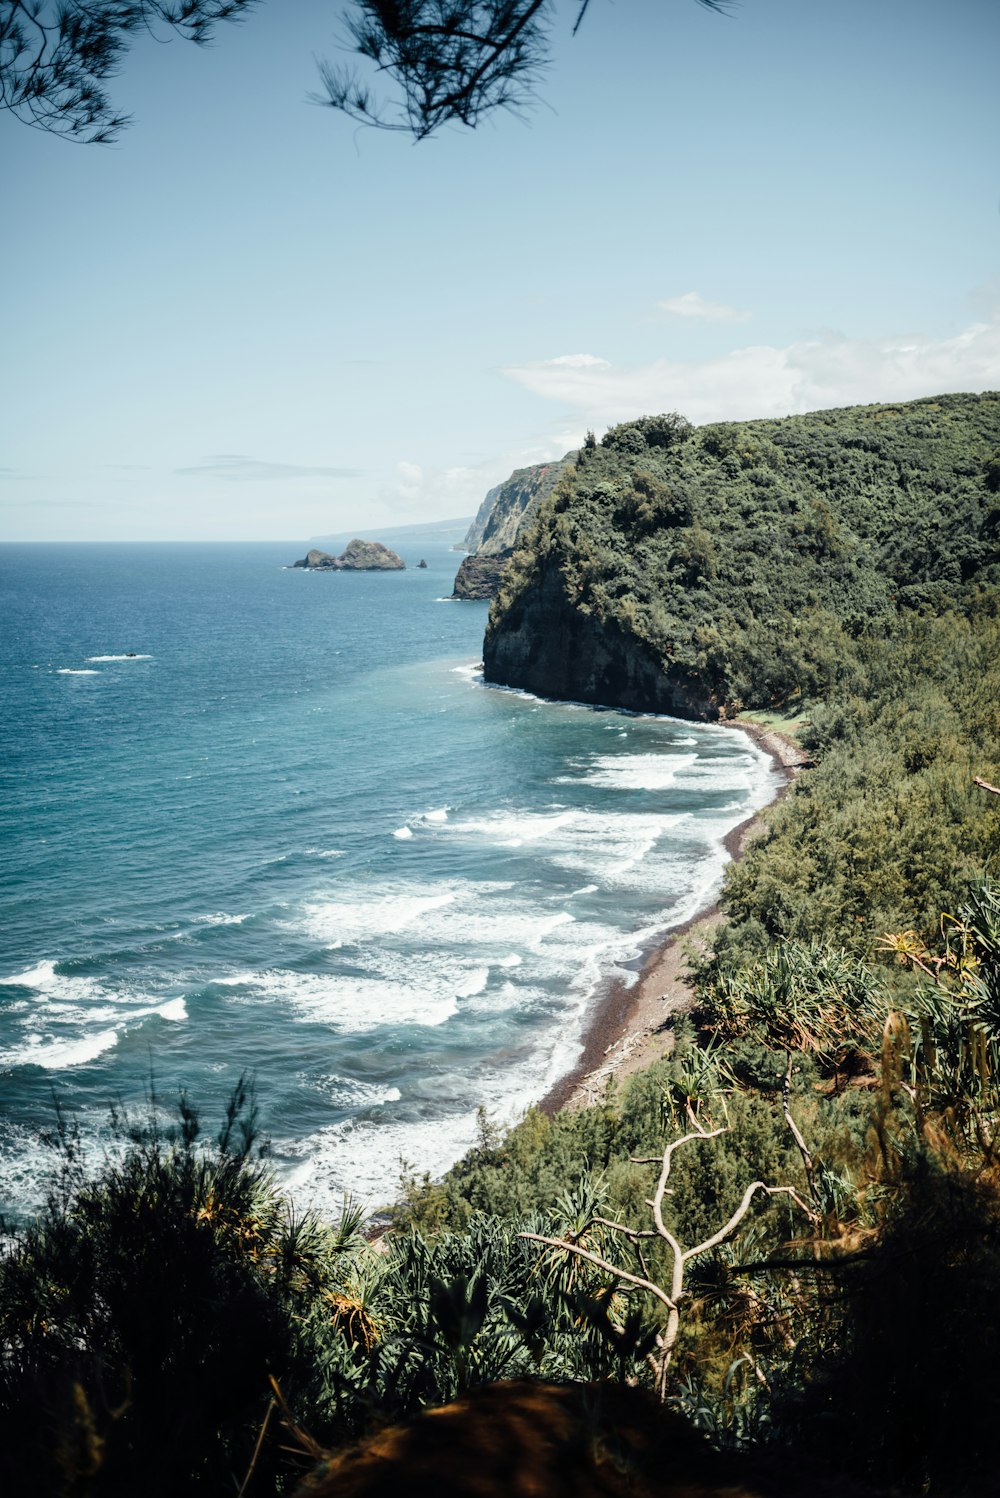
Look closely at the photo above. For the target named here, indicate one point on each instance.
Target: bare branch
(796, 1133)
(592, 1258)
(661, 1186)
(619, 1227)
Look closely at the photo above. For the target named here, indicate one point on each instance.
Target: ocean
(264, 820)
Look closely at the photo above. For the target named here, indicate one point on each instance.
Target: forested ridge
(788, 1228)
(746, 559)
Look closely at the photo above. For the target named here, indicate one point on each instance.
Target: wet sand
(632, 1027)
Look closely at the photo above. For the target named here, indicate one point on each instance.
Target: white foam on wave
(439, 814)
(74, 1018)
(220, 918)
(323, 852)
(514, 829)
(351, 1004)
(403, 833)
(365, 1156)
(57, 1055)
(75, 671)
(475, 983)
(131, 656)
(472, 671)
(612, 848)
(524, 955)
(45, 980)
(364, 1160)
(633, 772)
(350, 1092)
(354, 921)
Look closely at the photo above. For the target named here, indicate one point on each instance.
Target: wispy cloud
(239, 468)
(761, 380)
(693, 304)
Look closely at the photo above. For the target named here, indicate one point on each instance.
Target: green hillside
(739, 563)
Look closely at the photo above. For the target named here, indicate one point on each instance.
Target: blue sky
(250, 320)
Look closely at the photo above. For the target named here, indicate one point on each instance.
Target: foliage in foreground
(143, 1312)
(827, 1315)
(823, 1244)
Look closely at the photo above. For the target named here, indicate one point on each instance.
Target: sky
(250, 320)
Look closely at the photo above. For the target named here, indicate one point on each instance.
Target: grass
(788, 723)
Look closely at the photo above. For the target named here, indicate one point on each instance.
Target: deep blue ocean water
(295, 834)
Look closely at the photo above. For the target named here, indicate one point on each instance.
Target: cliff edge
(702, 571)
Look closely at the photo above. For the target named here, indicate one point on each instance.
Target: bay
(257, 819)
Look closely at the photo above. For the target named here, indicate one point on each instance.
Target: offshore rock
(357, 556)
(541, 643)
(479, 576)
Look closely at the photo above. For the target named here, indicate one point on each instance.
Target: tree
(452, 61)
(55, 59)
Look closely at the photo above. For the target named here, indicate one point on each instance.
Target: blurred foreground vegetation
(788, 1228)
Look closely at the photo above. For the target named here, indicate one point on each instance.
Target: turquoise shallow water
(296, 834)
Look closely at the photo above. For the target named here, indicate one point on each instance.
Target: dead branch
(592, 1258)
(796, 1132)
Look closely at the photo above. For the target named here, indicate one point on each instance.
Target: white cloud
(238, 467)
(409, 478)
(761, 380)
(447, 492)
(692, 304)
(579, 361)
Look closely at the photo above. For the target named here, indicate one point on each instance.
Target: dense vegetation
(749, 557)
(789, 1227)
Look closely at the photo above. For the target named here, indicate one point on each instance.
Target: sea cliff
(701, 571)
(478, 577)
(511, 505)
(542, 643)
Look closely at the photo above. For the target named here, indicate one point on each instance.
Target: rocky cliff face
(357, 556)
(479, 576)
(542, 643)
(509, 507)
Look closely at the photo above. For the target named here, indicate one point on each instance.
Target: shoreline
(629, 1027)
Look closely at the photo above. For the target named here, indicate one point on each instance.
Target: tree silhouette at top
(448, 61)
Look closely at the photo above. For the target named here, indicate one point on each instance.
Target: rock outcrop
(509, 507)
(357, 556)
(479, 576)
(504, 513)
(542, 643)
